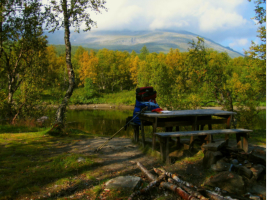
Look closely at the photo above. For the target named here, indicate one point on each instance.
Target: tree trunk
(60, 114)
(10, 96)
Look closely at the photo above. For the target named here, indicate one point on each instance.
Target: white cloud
(219, 19)
(205, 15)
(239, 42)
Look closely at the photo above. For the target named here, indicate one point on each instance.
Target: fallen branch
(182, 188)
(150, 176)
(147, 188)
(173, 176)
(188, 190)
(177, 190)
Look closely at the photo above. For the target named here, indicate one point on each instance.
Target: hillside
(155, 41)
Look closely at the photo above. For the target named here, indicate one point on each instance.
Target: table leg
(228, 126)
(153, 134)
(238, 141)
(211, 137)
(245, 142)
(194, 128)
(137, 133)
(177, 143)
(167, 150)
(242, 144)
(163, 148)
(143, 133)
(134, 133)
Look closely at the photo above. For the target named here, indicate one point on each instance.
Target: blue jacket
(139, 106)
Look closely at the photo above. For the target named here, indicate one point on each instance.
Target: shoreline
(122, 107)
(96, 106)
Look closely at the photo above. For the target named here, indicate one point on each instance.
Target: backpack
(145, 97)
(146, 94)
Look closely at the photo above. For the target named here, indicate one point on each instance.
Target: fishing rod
(101, 146)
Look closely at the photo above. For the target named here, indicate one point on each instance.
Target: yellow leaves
(237, 85)
(89, 66)
(134, 67)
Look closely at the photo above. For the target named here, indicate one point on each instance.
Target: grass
(34, 164)
(79, 97)
(18, 129)
(117, 98)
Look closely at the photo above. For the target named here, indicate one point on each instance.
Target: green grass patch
(18, 129)
(116, 98)
(31, 162)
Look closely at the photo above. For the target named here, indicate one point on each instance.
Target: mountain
(155, 41)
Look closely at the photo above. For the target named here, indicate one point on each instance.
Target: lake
(108, 122)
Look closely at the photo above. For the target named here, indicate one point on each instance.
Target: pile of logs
(183, 189)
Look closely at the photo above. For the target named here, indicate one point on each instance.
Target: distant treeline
(182, 79)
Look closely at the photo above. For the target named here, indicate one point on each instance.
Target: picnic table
(197, 119)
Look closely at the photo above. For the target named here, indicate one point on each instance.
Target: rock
(81, 159)
(258, 190)
(221, 165)
(243, 171)
(248, 165)
(258, 156)
(257, 170)
(214, 146)
(128, 183)
(211, 157)
(228, 181)
(234, 161)
(42, 120)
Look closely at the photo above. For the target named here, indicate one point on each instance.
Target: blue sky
(227, 22)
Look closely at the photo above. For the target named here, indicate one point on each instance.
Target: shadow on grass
(18, 129)
(30, 164)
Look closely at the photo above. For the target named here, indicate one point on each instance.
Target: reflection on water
(108, 122)
(100, 122)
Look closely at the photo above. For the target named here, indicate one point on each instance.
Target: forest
(52, 161)
(34, 74)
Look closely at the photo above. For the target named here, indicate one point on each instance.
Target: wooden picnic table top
(182, 113)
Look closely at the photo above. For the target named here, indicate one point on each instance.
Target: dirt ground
(120, 155)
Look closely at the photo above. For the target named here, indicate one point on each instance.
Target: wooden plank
(175, 123)
(200, 112)
(190, 123)
(204, 132)
(212, 121)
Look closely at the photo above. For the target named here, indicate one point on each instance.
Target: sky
(227, 22)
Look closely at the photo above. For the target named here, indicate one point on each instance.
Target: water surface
(108, 122)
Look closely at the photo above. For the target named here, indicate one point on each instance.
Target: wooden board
(200, 112)
(204, 132)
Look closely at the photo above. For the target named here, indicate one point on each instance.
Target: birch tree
(65, 14)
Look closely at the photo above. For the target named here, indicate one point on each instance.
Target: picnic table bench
(197, 119)
(165, 137)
